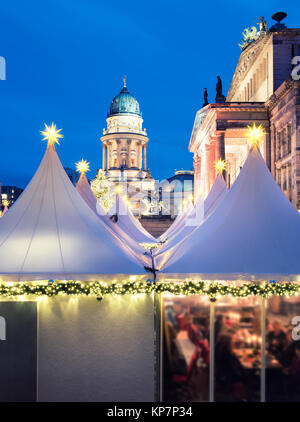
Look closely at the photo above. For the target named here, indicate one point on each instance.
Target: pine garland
(98, 289)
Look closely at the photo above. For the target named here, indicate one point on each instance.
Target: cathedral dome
(124, 103)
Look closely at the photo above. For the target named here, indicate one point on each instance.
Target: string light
(51, 134)
(118, 188)
(100, 289)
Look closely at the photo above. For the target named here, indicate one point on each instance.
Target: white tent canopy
(254, 233)
(197, 214)
(128, 223)
(85, 191)
(177, 223)
(215, 195)
(87, 194)
(51, 233)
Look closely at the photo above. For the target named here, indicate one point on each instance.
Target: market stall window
(237, 349)
(186, 348)
(282, 349)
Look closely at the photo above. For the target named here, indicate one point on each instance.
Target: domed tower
(125, 141)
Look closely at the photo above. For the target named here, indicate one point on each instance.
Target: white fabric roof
(87, 194)
(84, 189)
(215, 195)
(177, 223)
(51, 233)
(253, 234)
(128, 223)
(197, 214)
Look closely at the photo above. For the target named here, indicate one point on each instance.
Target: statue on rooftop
(220, 98)
(219, 86)
(262, 24)
(249, 36)
(205, 97)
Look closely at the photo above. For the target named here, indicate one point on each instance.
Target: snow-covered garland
(211, 289)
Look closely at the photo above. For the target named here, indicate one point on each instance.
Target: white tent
(177, 223)
(254, 233)
(84, 189)
(128, 223)
(197, 214)
(50, 232)
(215, 196)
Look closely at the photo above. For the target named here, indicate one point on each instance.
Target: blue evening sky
(66, 60)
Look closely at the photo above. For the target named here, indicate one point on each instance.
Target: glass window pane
(237, 349)
(282, 350)
(185, 348)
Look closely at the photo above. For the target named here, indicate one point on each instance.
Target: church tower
(124, 149)
(124, 142)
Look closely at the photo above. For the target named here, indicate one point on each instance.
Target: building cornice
(246, 59)
(207, 121)
(281, 91)
(112, 136)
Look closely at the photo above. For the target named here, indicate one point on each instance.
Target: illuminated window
(255, 355)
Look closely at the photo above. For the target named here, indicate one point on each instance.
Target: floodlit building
(265, 89)
(124, 148)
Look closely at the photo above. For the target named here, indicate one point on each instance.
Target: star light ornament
(118, 189)
(5, 202)
(82, 166)
(220, 166)
(255, 135)
(51, 134)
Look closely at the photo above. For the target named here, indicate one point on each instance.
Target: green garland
(99, 289)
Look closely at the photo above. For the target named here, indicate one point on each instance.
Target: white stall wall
(96, 351)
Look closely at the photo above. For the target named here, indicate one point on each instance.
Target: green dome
(124, 103)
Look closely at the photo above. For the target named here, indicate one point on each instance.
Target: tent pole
(158, 347)
(211, 351)
(263, 352)
(161, 374)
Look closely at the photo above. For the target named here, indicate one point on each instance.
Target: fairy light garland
(204, 288)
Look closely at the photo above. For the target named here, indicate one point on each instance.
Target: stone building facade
(265, 89)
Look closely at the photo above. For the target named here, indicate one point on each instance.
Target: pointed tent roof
(50, 232)
(253, 234)
(128, 223)
(177, 223)
(215, 195)
(84, 189)
(197, 214)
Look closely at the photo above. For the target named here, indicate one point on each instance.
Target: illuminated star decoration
(220, 166)
(5, 202)
(118, 189)
(255, 135)
(82, 166)
(51, 134)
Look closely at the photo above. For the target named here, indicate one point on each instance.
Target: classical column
(118, 142)
(208, 169)
(267, 148)
(103, 156)
(220, 145)
(212, 164)
(108, 155)
(145, 158)
(203, 174)
(197, 177)
(129, 146)
(139, 155)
